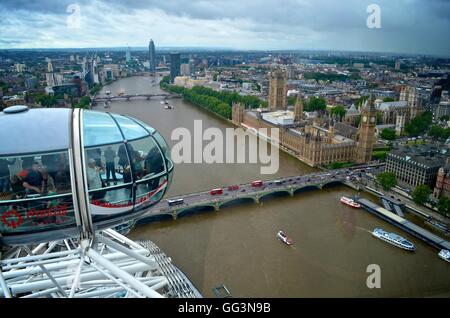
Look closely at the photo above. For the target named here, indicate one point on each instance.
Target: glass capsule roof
(46, 130)
(34, 130)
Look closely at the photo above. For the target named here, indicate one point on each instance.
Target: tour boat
(350, 202)
(394, 239)
(168, 107)
(445, 255)
(284, 238)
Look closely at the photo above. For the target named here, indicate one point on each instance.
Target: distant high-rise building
(31, 82)
(152, 56)
(277, 90)
(192, 66)
(109, 74)
(50, 67)
(174, 65)
(20, 68)
(128, 55)
(397, 65)
(185, 69)
(1, 98)
(50, 79)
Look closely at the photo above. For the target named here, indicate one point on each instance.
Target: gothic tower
(237, 115)
(277, 90)
(366, 132)
(298, 110)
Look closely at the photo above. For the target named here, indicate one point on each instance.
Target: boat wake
(363, 229)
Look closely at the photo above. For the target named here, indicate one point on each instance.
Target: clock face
(372, 119)
(364, 119)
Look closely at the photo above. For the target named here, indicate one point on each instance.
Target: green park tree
(421, 194)
(387, 134)
(318, 104)
(419, 124)
(46, 100)
(338, 111)
(444, 206)
(83, 103)
(387, 180)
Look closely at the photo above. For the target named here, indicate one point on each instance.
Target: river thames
(237, 246)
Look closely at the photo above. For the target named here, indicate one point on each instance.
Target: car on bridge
(233, 188)
(175, 202)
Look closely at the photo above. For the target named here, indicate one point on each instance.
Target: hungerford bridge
(248, 193)
(135, 96)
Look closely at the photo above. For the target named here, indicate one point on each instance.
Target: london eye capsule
(68, 173)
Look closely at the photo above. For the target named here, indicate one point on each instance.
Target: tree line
(218, 102)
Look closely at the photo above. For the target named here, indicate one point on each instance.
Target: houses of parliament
(317, 141)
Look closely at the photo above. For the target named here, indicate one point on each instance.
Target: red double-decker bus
(257, 184)
(218, 191)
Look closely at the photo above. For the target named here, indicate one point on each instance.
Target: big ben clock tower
(366, 132)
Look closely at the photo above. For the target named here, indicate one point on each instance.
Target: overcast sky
(407, 26)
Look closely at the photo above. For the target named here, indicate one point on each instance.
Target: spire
(370, 103)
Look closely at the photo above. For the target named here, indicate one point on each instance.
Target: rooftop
(429, 156)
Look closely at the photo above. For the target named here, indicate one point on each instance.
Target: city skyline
(415, 27)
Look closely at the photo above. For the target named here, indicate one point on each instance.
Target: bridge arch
(306, 188)
(227, 203)
(275, 193)
(198, 209)
(164, 216)
(331, 184)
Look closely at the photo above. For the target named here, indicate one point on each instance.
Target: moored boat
(284, 238)
(394, 239)
(437, 225)
(445, 255)
(350, 202)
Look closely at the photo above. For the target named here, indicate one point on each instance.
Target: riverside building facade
(309, 141)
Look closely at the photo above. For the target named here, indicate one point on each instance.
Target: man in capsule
(33, 181)
(93, 175)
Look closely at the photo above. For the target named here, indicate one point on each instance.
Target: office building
(174, 65)
(416, 165)
(152, 56)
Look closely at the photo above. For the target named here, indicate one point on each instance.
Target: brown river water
(237, 246)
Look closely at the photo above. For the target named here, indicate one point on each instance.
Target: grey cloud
(406, 24)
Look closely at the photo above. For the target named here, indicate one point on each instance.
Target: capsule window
(109, 179)
(130, 129)
(99, 129)
(35, 192)
(146, 158)
(149, 192)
